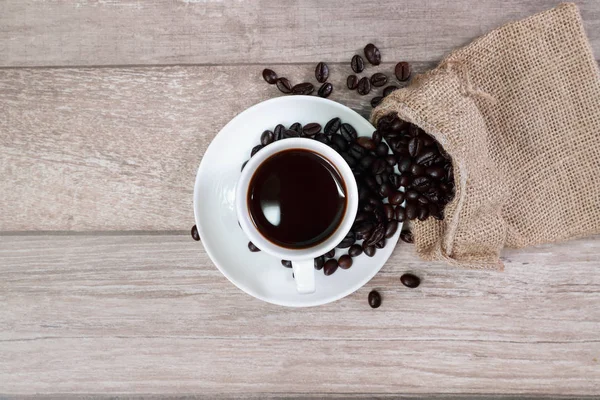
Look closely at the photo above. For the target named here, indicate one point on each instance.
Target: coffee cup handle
(304, 275)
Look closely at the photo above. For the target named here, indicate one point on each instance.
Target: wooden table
(106, 108)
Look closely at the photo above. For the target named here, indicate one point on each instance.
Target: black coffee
(297, 198)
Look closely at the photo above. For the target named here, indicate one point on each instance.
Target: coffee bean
(304, 88)
(374, 299)
(450, 175)
(296, 127)
(348, 241)
(376, 235)
(396, 198)
(375, 101)
(319, 262)
(378, 79)
(385, 189)
(427, 140)
(364, 86)
(267, 137)
(423, 212)
(284, 85)
(332, 126)
(339, 141)
(269, 75)
(255, 149)
(435, 212)
(278, 132)
(352, 82)
(367, 161)
(371, 182)
(404, 165)
(402, 71)
(311, 129)
(382, 149)
(380, 244)
(421, 183)
(400, 214)
(351, 161)
(391, 228)
(378, 166)
(417, 170)
(388, 210)
(356, 151)
(410, 280)
(380, 179)
(330, 267)
(325, 90)
(252, 247)
(395, 180)
(355, 250)
(412, 195)
(414, 146)
(290, 133)
(435, 172)
(330, 253)
(194, 231)
(286, 263)
(366, 143)
(348, 132)
(321, 72)
(411, 210)
(364, 228)
(390, 159)
(357, 64)
(372, 54)
(376, 137)
(345, 261)
(322, 138)
(369, 250)
(388, 90)
(407, 237)
(426, 158)
(244, 164)
(405, 179)
(423, 200)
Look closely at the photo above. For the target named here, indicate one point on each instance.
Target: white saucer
(259, 274)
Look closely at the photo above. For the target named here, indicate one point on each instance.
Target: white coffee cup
(302, 259)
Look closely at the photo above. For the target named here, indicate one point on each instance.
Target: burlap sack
(519, 112)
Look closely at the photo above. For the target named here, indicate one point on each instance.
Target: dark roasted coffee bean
(374, 299)
(361, 216)
(421, 183)
(348, 241)
(395, 180)
(371, 182)
(321, 72)
(304, 88)
(402, 71)
(372, 54)
(378, 79)
(388, 210)
(450, 174)
(388, 90)
(369, 250)
(396, 198)
(378, 166)
(388, 168)
(380, 244)
(255, 149)
(332, 126)
(376, 137)
(414, 146)
(400, 214)
(412, 211)
(357, 64)
(376, 235)
(330, 267)
(269, 75)
(410, 280)
(435, 172)
(286, 263)
(252, 247)
(382, 149)
(391, 228)
(364, 86)
(407, 237)
(363, 228)
(297, 127)
(352, 82)
(367, 161)
(423, 200)
(325, 90)
(417, 170)
(355, 250)
(404, 165)
(405, 179)
(290, 133)
(390, 159)
(423, 212)
(330, 253)
(351, 161)
(366, 143)
(244, 164)
(319, 261)
(322, 138)
(278, 132)
(435, 212)
(412, 195)
(311, 129)
(267, 137)
(194, 231)
(339, 141)
(345, 261)
(385, 189)
(357, 151)
(427, 140)
(426, 158)
(375, 101)
(284, 85)
(348, 132)
(380, 179)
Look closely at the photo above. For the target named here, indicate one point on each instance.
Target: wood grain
(150, 314)
(99, 149)
(133, 32)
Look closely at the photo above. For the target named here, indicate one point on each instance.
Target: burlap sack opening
(519, 112)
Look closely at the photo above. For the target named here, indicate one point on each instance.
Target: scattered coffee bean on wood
(284, 85)
(378, 79)
(375, 101)
(374, 299)
(364, 86)
(410, 280)
(352, 82)
(252, 247)
(357, 64)
(269, 75)
(325, 90)
(194, 231)
(389, 89)
(402, 71)
(321, 72)
(372, 54)
(304, 88)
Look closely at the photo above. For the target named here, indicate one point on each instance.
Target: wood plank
(133, 32)
(118, 148)
(150, 314)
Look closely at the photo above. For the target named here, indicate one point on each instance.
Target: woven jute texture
(518, 110)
